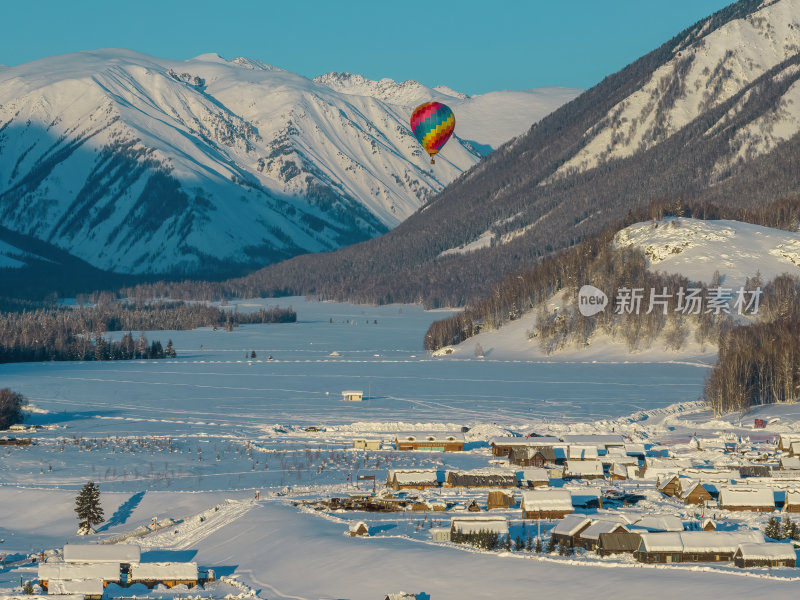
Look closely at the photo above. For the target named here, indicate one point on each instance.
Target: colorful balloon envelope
(433, 124)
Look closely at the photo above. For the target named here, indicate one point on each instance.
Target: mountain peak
(407, 93)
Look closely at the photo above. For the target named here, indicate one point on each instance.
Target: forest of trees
(77, 333)
(760, 363)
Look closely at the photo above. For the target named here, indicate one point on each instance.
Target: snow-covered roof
(535, 474)
(430, 436)
(601, 440)
(661, 542)
(698, 541)
(792, 498)
(86, 553)
(571, 524)
(468, 524)
(659, 523)
(731, 496)
(751, 551)
(357, 525)
(86, 587)
(583, 467)
(575, 452)
(414, 476)
(621, 469)
(544, 440)
(634, 448)
(546, 500)
(712, 541)
(166, 570)
(108, 571)
(790, 463)
(601, 526)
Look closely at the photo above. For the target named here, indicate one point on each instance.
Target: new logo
(591, 300)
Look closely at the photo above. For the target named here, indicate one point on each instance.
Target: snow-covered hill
(696, 249)
(693, 248)
(141, 164)
(701, 75)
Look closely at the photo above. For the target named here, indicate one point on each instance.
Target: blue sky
(471, 46)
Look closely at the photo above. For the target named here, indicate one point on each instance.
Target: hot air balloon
(433, 124)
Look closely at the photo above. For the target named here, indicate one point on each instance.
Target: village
(616, 497)
(708, 500)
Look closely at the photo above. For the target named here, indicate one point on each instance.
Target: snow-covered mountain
(140, 164)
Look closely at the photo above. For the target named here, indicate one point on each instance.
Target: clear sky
(471, 46)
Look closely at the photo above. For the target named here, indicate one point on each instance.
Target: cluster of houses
(566, 478)
(86, 569)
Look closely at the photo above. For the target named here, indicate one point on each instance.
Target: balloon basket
(433, 162)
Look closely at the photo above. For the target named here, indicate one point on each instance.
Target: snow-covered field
(193, 439)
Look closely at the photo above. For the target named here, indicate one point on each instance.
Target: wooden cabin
(499, 499)
(534, 478)
(546, 504)
(707, 525)
(670, 486)
(583, 469)
(358, 529)
(747, 499)
(765, 555)
(404, 479)
(476, 523)
(792, 503)
(502, 446)
(696, 494)
(618, 543)
(352, 395)
(430, 442)
(589, 538)
(618, 472)
(575, 452)
(528, 456)
(568, 528)
(786, 440)
(790, 463)
(481, 478)
(693, 546)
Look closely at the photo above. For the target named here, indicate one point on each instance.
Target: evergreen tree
(551, 545)
(787, 528)
(519, 545)
(538, 547)
(773, 529)
(87, 506)
(507, 542)
(253, 354)
(27, 589)
(169, 351)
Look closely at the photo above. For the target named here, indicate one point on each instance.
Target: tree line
(77, 333)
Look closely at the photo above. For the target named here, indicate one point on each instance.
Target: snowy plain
(199, 435)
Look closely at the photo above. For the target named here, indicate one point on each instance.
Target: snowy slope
(701, 75)
(696, 249)
(140, 164)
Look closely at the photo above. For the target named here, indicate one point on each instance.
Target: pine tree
(87, 505)
(507, 542)
(253, 354)
(538, 546)
(169, 351)
(786, 528)
(551, 545)
(519, 545)
(773, 529)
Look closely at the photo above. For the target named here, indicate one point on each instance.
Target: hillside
(693, 249)
(143, 165)
(719, 127)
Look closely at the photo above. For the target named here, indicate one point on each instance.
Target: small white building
(440, 534)
(583, 469)
(751, 499)
(352, 395)
(367, 444)
(105, 571)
